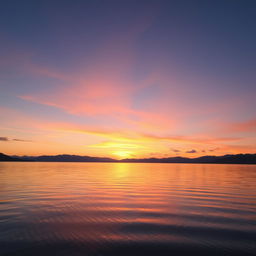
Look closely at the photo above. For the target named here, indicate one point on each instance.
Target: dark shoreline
(226, 159)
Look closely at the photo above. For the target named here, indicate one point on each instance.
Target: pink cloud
(247, 126)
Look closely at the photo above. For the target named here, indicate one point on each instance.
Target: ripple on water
(127, 209)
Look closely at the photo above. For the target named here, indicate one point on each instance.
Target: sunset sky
(128, 78)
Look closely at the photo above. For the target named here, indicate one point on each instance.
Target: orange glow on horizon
(123, 154)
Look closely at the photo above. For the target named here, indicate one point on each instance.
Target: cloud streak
(109, 138)
(6, 139)
(192, 151)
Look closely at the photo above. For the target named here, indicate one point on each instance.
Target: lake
(127, 209)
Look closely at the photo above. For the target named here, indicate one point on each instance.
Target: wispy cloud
(139, 141)
(192, 151)
(175, 150)
(21, 140)
(116, 144)
(212, 150)
(9, 139)
(4, 139)
(247, 126)
(133, 135)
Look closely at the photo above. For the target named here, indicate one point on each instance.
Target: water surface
(127, 209)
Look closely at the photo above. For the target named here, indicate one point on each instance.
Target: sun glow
(123, 154)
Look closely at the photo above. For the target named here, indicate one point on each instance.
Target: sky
(128, 79)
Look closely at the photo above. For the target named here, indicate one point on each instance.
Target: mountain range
(226, 159)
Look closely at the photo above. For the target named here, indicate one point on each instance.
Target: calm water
(127, 209)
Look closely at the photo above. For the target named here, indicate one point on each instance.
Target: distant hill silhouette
(67, 158)
(226, 159)
(4, 157)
